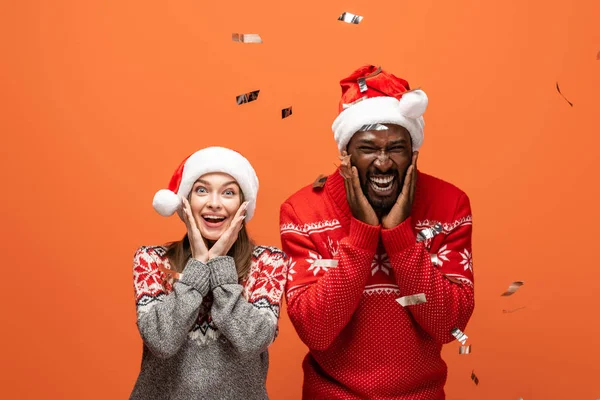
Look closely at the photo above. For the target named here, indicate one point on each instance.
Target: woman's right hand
(197, 244)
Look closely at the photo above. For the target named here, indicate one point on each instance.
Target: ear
(413, 104)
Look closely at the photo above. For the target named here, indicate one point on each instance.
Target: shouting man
(381, 272)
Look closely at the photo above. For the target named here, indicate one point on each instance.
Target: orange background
(100, 100)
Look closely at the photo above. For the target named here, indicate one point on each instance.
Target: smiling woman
(208, 305)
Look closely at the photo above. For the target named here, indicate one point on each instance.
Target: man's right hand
(359, 205)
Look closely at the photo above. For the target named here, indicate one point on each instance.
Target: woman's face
(214, 200)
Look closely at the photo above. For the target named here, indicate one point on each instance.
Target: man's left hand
(401, 209)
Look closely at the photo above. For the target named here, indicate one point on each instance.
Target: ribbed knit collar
(336, 191)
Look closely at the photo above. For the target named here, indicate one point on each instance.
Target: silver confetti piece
(246, 37)
(286, 112)
(513, 288)
(247, 97)
(464, 349)
(435, 260)
(429, 233)
(362, 85)
(412, 300)
(325, 263)
(350, 18)
(474, 378)
(373, 127)
(459, 335)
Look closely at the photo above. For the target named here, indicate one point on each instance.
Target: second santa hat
(210, 159)
(371, 96)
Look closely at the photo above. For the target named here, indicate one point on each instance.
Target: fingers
(356, 181)
(407, 182)
(413, 184)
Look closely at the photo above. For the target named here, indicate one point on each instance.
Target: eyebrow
(208, 183)
(391, 143)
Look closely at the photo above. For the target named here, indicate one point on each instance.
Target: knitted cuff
(197, 275)
(364, 236)
(399, 238)
(222, 271)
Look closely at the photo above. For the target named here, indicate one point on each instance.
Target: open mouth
(213, 221)
(382, 184)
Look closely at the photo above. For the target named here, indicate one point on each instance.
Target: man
(381, 270)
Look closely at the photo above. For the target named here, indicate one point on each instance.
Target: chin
(212, 235)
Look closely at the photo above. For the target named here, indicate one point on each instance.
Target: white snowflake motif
(442, 253)
(467, 260)
(291, 271)
(333, 248)
(380, 262)
(315, 268)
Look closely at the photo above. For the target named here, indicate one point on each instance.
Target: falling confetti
(435, 260)
(513, 288)
(474, 378)
(412, 300)
(247, 97)
(286, 112)
(459, 335)
(598, 58)
(464, 349)
(319, 182)
(246, 38)
(563, 96)
(513, 310)
(325, 263)
(362, 84)
(429, 233)
(350, 18)
(373, 127)
(452, 279)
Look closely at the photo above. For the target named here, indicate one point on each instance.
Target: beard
(382, 205)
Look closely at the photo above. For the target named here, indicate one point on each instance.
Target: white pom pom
(413, 104)
(166, 202)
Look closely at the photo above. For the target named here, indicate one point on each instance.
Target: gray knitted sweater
(206, 336)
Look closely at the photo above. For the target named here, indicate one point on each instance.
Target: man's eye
(367, 149)
(397, 149)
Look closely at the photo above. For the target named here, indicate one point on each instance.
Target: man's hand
(401, 209)
(359, 205)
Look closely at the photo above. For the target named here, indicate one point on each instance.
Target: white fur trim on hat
(209, 160)
(406, 112)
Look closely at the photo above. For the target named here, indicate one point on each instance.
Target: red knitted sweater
(345, 277)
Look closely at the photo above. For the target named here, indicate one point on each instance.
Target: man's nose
(383, 162)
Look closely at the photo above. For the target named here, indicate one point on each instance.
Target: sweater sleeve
(250, 324)
(164, 319)
(448, 289)
(323, 294)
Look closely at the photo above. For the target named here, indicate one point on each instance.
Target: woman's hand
(223, 245)
(197, 244)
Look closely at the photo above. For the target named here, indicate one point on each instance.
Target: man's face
(381, 158)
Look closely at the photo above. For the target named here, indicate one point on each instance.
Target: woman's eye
(229, 193)
(201, 189)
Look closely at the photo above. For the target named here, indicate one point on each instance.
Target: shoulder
(150, 254)
(304, 195)
(437, 191)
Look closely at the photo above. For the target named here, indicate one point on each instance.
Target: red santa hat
(373, 96)
(210, 159)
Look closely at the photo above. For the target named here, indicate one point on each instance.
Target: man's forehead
(395, 133)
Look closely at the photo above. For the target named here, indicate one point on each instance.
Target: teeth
(215, 217)
(381, 180)
(381, 189)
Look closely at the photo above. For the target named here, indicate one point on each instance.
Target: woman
(208, 305)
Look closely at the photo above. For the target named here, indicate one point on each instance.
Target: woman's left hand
(223, 245)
